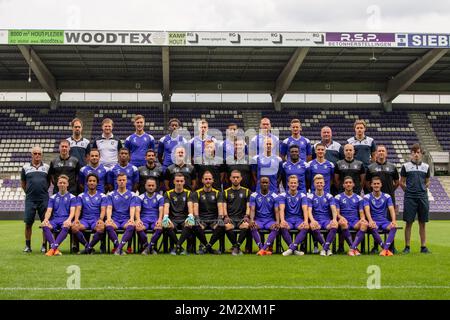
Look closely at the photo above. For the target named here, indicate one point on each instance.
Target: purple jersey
(298, 169)
(121, 204)
(325, 168)
(264, 204)
(321, 205)
(293, 204)
(101, 171)
(132, 175)
(257, 144)
(91, 205)
(198, 146)
(167, 145)
(303, 144)
(150, 206)
(349, 206)
(269, 167)
(379, 207)
(138, 146)
(228, 150)
(61, 205)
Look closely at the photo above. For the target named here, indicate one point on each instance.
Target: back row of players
(108, 160)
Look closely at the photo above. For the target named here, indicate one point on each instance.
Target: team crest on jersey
(315, 166)
(241, 196)
(145, 201)
(213, 197)
(175, 198)
(344, 201)
(203, 197)
(184, 198)
(232, 196)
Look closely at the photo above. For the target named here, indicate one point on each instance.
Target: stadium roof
(385, 64)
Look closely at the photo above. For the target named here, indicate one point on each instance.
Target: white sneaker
(298, 253)
(329, 252)
(323, 253)
(288, 252)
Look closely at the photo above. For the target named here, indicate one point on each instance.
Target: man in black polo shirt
(79, 146)
(176, 212)
(211, 162)
(207, 205)
(35, 182)
(236, 211)
(415, 180)
(180, 166)
(238, 161)
(67, 165)
(388, 174)
(150, 170)
(350, 167)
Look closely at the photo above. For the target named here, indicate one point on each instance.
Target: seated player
(350, 213)
(207, 207)
(149, 216)
(91, 209)
(120, 214)
(293, 215)
(322, 215)
(236, 211)
(264, 215)
(60, 213)
(376, 206)
(177, 214)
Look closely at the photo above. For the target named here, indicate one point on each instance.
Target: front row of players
(207, 208)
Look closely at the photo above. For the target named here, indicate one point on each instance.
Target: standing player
(239, 161)
(120, 213)
(151, 169)
(293, 215)
(233, 134)
(364, 146)
(212, 163)
(236, 210)
(268, 165)
(139, 142)
(257, 144)
(334, 150)
(303, 144)
(108, 144)
(207, 205)
(90, 213)
(59, 216)
(180, 166)
(93, 166)
(322, 214)
(350, 213)
(349, 166)
(79, 146)
(264, 215)
(390, 180)
(35, 183)
(67, 165)
(295, 166)
(320, 166)
(376, 205)
(169, 142)
(177, 214)
(415, 180)
(149, 216)
(127, 168)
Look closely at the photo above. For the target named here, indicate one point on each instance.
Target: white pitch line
(148, 288)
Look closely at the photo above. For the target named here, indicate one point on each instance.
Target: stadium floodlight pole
(166, 95)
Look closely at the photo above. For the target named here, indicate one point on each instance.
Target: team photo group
(108, 192)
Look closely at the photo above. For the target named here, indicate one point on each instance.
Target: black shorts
(415, 206)
(210, 223)
(32, 207)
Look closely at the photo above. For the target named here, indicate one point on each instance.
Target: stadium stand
(24, 126)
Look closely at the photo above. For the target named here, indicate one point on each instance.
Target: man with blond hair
(108, 144)
(139, 142)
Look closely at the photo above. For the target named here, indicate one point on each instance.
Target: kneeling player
(236, 211)
(376, 206)
(322, 215)
(59, 216)
(91, 208)
(264, 215)
(120, 213)
(293, 215)
(149, 216)
(350, 213)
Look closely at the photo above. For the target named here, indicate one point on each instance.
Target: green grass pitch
(413, 276)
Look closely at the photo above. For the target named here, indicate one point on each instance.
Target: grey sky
(212, 15)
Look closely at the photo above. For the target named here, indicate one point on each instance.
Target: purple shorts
(265, 224)
(89, 223)
(120, 223)
(352, 223)
(294, 222)
(382, 224)
(323, 223)
(149, 222)
(57, 223)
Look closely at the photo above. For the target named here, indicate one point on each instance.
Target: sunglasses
(37, 154)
